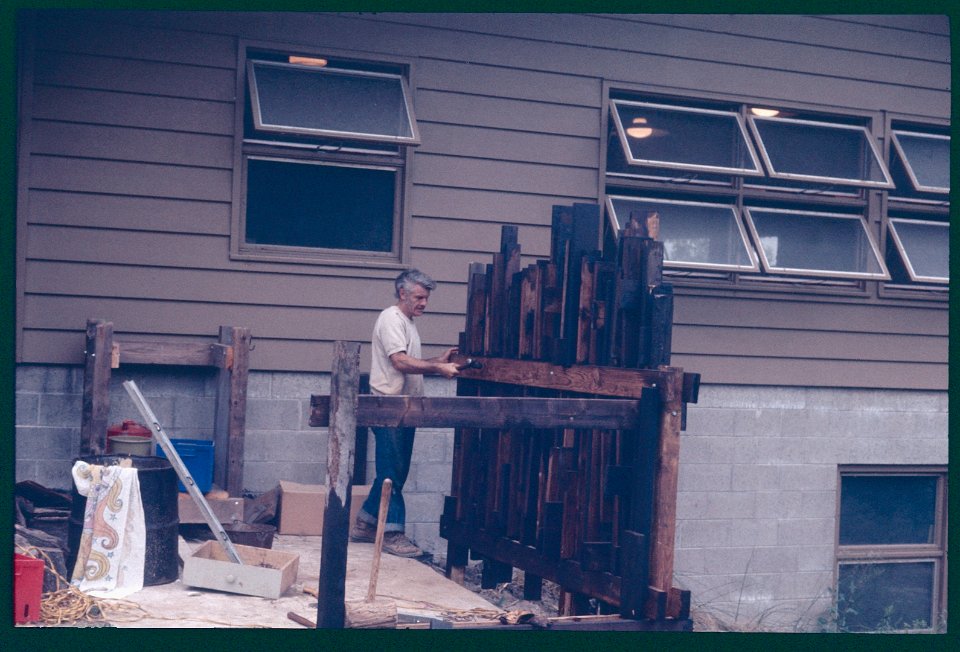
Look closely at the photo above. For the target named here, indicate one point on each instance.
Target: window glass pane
(822, 152)
(693, 234)
(887, 509)
(885, 596)
(799, 242)
(926, 158)
(329, 102)
(925, 248)
(326, 206)
(684, 138)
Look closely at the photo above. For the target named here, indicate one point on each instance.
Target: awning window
(694, 234)
(331, 102)
(684, 138)
(821, 152)
(926, 158)
(924, 247)
(815, 244)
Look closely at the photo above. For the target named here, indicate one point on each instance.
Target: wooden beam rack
(229, 355)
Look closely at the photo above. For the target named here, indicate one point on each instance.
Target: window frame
(711, 169)
(744, 238)
(884, 275)
(935, 552)
(892, 221)
(287, 252)
(908, 165)
(256, 110)
(348, 153)
(874, 204)
(874, 149)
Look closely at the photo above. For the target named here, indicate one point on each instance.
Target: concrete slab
(417, 588)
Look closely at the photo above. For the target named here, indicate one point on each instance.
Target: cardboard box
(264, 572)
(227, 510)
(302, 506)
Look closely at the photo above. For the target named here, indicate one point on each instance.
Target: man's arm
(439, 365)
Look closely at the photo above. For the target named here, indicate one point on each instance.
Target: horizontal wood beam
(172, 353)
(485, 412)
(675, 385)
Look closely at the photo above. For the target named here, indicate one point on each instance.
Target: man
(397, 368)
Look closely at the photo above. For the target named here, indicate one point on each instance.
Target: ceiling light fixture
(764, 112)
(638, 129)
(308, 61)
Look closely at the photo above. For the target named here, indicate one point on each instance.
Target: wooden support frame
(229, 355)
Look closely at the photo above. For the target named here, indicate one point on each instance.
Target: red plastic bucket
(27, 588)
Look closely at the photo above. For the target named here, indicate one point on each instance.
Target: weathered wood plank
(344, 387)
(96, 381)
(168, 353)
(484, 412)
(587, 379)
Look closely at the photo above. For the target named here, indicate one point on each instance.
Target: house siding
(127, 204)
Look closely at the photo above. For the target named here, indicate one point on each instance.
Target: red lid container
(129, 427)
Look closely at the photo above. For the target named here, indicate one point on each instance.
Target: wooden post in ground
(231, 409)
(341, 435)
(96, 382)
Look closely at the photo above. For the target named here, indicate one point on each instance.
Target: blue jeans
(393, 453)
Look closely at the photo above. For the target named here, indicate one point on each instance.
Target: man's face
(414, 302)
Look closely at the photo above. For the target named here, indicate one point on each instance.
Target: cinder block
(774, 559)
(709, 420)
(431, 477)
(758, 422)
(433, 445)
(779, 504)
(818, 558)
(27, 409)
(754, 477)
(703, 533)
(274, 414)
(423, 507)
(802, 477)
(805, 531)
(299, 386)
(755, 532)
(732, 504)
(42, 443)
(193, 412)
(704, 477)
(60, 410)
(259, 384)
(818, 504)
(45, 379)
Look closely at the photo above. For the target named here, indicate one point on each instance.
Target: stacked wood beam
(590, 509)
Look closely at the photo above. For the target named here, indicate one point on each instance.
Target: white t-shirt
(394, 332)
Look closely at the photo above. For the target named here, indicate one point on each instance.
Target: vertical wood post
(231, 409)
(96, 386)
(344, 387)
(663, 531)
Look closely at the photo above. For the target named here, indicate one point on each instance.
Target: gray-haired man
(397, 368)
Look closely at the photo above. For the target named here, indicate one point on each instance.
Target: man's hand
(449, 353)
(447, 369)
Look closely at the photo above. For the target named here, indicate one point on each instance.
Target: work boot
(363, 532)
(396, 543)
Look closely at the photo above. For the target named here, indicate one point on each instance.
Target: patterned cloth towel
(112, 546)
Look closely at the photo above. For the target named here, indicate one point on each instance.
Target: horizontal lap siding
(131, 169)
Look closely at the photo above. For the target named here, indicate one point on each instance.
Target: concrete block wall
(279, 444)
(757, 495)
(757, 498)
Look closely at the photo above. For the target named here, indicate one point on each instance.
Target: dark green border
(235, 640)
